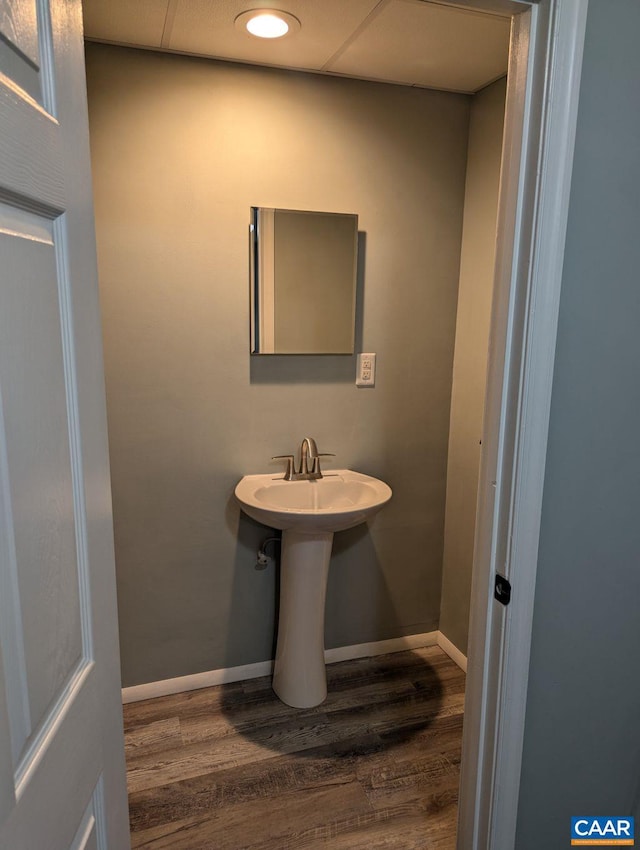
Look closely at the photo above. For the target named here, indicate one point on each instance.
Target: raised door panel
(44, 590)
(19, 28)
(20, 45)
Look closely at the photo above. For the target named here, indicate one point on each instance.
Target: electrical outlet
(366, 370)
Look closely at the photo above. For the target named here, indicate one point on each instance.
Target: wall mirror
(303, 281)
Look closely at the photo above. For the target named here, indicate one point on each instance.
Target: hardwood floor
(231, 767)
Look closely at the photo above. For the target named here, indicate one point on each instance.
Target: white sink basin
(339, 500)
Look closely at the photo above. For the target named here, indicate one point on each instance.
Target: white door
(62, 782)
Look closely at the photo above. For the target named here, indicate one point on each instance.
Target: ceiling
(407, 42)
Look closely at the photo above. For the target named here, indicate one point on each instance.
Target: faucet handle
(290, 468)
(315, 468)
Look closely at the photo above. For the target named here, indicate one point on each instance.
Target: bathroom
(182, 148)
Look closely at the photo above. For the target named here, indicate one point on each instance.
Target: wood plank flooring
(232, 768)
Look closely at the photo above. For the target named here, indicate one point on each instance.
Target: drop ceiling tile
(206, 27)
(424, 44)
(125, 22)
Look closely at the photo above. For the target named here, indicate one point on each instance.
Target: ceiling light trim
(290, 23)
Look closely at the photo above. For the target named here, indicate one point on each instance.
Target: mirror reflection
(303, 281)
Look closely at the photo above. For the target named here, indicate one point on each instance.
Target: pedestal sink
(308, 513)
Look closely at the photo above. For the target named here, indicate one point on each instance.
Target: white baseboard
(380, 647)
(452, 651)
(264, 668)
(196, 681)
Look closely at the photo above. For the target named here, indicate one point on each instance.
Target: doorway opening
(60, 701)
(521, 85)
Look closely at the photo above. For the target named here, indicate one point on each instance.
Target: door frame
(545, 65)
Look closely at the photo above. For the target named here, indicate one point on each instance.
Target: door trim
(542, 104)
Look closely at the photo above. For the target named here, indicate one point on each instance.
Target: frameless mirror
(303, 281)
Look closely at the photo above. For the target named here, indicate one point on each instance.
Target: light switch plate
(366, 370)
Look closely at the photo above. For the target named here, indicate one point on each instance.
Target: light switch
(366, 370)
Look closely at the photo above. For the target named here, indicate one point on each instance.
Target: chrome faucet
(308, 452)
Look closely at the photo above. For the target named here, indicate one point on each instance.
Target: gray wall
(477, 262)
(582, 741)
(181, 149)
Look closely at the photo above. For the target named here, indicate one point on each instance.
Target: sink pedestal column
(299, 676)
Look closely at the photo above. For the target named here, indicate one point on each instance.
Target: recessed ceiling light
(267, 23)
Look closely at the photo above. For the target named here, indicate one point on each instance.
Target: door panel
(61, 751)
(19, 45)
(87, 835)
(38, 471)
(18, 26)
